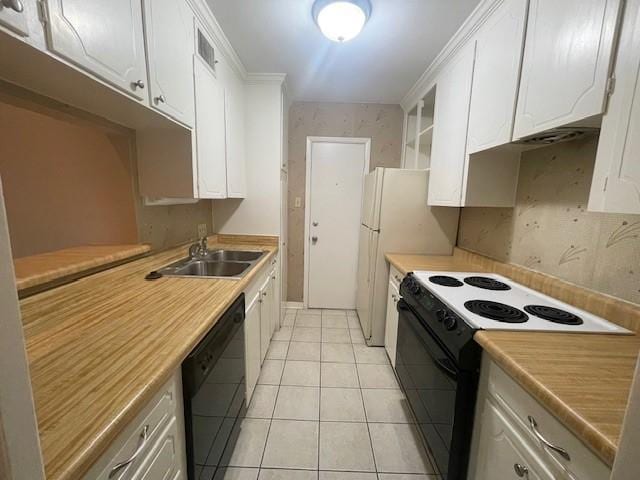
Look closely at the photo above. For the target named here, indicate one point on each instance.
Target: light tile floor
(326, 407)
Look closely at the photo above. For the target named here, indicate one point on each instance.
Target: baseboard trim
(296, 305)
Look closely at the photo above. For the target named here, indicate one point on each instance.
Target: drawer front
(516, 402)
(139, 437)
(166, 461)
(254, 287)
(395, 276)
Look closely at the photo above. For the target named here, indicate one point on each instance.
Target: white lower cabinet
(153, 445)
(391, 324)
(261, 304)
(509, 426)
(252, 345)
(266, 314)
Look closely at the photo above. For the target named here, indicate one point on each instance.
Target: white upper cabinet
(495, 76)
(566, 66)
(616, 180)
(210, 133)
(170, 39)
(451, 115)
(13, 16)
(236, 175)
(104, 38)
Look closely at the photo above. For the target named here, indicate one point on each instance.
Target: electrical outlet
(202, 230)
(297, 202)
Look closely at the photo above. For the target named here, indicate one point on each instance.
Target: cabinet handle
(521, 470)
(264, 294)
(138, 84)
(394, 297)
(273, 278)
(398, 279)
(559, 450)
(160, 99)
(15, 5)
(144, 437)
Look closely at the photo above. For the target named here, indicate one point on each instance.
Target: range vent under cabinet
(206, 51)
(558, 135)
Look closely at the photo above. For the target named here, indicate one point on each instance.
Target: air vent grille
(558, 135)
(206, 51)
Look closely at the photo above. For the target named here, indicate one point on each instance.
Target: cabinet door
(236, 160)
(502, 451)
(451, 118)
(275, 304)
(210, 133)
(104, 38)
(391, 327)
(616, 179)
(252, 346)
(495, 77)
(566, 65)
(266, 312)
(169, 33)
(14, 16)
(167, 460)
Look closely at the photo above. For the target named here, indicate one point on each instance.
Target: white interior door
(335, 172)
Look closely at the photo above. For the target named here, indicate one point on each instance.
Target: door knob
(315, 224)
(314, 239)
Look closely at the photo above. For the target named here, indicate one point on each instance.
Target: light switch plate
(202, 230)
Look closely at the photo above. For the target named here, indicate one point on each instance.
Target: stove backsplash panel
(550, 230)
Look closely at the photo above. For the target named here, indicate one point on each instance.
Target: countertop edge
(581, 428)
(74, 268)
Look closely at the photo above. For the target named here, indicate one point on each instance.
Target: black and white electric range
(437, 361)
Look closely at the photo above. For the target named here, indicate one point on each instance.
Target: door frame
(307, 196)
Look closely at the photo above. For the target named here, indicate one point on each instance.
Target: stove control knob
(440, 315)
(450, 322)
(414, 287)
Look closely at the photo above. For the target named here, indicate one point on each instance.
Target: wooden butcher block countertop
(101, 347)
(582, 379)
(47, 267)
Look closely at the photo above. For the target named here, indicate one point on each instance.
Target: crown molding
(463, 35)
(208, 20)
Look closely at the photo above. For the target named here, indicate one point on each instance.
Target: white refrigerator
(395, 219)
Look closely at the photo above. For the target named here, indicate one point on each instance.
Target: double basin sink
(215, 264)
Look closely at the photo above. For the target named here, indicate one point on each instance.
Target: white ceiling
(398, 43)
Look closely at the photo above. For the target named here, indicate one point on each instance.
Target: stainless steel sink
(205, 268)
(234, 256)
(232, 264)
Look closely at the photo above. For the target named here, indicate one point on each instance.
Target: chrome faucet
(199, 249)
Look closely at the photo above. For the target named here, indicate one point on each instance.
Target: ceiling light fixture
(341, 20)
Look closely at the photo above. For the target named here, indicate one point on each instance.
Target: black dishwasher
(214, 392)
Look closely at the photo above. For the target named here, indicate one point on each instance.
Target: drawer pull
(559, 450)
(398, 279)
(521, 470)
(144, 437)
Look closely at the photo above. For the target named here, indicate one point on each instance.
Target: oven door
(430, 379)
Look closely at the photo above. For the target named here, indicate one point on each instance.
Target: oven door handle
(444, 368)
(440, 362)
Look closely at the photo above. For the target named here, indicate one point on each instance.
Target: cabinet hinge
(606, 181)
(43, 12)
(611, 85)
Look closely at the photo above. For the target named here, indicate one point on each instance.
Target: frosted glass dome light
(341, 20)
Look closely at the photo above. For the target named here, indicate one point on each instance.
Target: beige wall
(550, 229)
(70, 181)
(381, 123)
